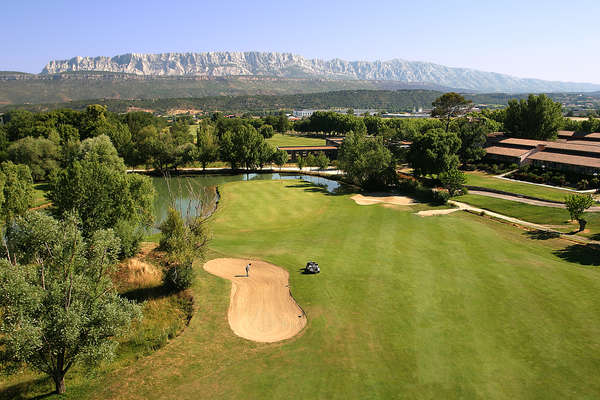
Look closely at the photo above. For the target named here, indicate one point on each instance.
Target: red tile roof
(505, 151)
(566, 159)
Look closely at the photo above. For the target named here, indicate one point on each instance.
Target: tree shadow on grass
(314, 188)
(584, 254)
(20, 390)
(147, 293)
(542, 235)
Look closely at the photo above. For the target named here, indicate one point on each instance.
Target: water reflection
(197, 195)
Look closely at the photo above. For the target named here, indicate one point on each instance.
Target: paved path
(532, 202)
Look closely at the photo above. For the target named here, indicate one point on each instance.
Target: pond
(197, 195)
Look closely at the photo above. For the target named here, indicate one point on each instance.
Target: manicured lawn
(455, 306)
(536, 214)
(294, 140)
(489, 181)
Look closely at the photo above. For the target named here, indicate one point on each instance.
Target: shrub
(179, 276)
(440, 196)
(131, 236)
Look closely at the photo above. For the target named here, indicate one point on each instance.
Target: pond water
(197, 195)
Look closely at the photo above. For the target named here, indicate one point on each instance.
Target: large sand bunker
(261, 307)
(387, 199)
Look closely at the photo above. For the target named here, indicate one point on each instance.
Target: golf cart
(311, 268)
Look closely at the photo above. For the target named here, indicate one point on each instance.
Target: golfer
(248, 269)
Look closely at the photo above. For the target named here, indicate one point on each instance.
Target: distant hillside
(382, 100)
(287, 65)
(392, 101)
(20, 88)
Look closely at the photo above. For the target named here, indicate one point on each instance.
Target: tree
(450, 105)
(538, 117)
(267, 131)
(301, 161)
(283, 123)
(434, 152)
(366, 161)
(472, 132)
(265, 153)
(184, 242)
(59, 307)
(322, 161)
(41, 155)
(102, 193)
(280, 158)
(17, 190)
(241, 147)
(453, 180)
(576, 205)
(310, 160)
(208, 144)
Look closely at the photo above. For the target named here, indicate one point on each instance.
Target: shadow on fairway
(313, 188)
(542, 235)
(19, 390)
(584, 254)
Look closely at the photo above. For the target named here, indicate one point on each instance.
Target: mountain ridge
(288, 65)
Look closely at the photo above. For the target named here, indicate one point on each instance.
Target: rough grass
(165, 315)
(455, 306)
(489, 181)
(294, 140)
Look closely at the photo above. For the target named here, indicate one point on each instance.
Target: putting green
(455, 306)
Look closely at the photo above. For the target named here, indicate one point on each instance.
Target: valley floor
(451, 306)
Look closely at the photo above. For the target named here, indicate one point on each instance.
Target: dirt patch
(138, 271)
(261, 307)
(383, 198)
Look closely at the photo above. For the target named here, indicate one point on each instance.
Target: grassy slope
(440, 307)
(294, 140)
(489, 181)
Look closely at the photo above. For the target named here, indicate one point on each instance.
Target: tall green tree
(450, 105)
(41, 155)
(208, 144)
(434, 152)
(538, 117)
(102, 193)
(366, 161)
(59, 306)
(280, 158)
(241, 147)
(17, 190)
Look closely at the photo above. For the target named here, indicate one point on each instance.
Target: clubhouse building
(571, 152)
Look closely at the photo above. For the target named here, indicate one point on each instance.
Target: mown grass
(536, 214)
(39, 194)
(294, 140)
(489, 181)
(455, 306)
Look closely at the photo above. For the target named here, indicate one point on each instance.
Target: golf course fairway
(456, 306)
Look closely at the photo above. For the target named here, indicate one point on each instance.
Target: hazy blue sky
(550, 39)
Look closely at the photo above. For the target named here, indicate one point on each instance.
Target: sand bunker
(260, 307)
(431, 213)
(375, 199)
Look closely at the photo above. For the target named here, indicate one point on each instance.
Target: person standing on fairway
(248, 269)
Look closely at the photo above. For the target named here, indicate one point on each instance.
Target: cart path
(261, 307)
